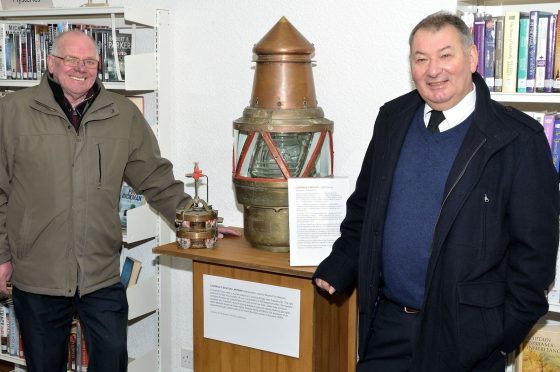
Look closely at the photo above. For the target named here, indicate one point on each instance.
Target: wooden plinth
(327, 323)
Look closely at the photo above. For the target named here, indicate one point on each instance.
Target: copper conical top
(283, 77)
(282, 39)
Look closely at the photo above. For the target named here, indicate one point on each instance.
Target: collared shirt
(455, 115)
(74, 114)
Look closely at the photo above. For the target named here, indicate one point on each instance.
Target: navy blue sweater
(415, 201)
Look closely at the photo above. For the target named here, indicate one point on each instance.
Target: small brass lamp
(196, 224)
(282, 134)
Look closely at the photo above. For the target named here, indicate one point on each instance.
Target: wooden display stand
(327, 324)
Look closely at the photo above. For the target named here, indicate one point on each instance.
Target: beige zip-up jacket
(59, 190)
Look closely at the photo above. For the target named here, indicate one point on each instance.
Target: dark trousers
(390, 346)
(45, 322)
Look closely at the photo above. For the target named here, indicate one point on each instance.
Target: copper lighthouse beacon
(282, 134)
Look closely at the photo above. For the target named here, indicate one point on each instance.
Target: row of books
(24, 49)
(519, 51)
(10, 339)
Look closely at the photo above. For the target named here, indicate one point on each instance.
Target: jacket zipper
(456, 182)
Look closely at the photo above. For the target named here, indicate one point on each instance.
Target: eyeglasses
(74, 61)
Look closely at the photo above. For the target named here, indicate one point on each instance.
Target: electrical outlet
(187, 358)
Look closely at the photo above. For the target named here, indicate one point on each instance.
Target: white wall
(361, 50)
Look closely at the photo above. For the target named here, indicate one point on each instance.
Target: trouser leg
(104, 315)
(392, 340)
(44, 324)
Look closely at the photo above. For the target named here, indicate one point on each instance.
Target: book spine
(511, 44)
(556, 143)
(4, 329)
(499, 53)
(3, 74)
(24, 53)
(556, 82)
(489, 52)
(78, 346)
(548, 126)
(13, 337)
(523, 53)
(479, 28)
(532, 51)
(542, 34)
(550, 52)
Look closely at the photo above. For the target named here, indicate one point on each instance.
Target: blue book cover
(556, 143)
(523, 52)
(489, 52)
(126, 271)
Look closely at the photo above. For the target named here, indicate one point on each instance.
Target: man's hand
(325, 286)
(226, 230)
(6, 270)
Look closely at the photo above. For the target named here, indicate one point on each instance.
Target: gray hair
(437, 21)
(61, 35)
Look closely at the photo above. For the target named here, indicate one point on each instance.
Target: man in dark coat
(452, 230)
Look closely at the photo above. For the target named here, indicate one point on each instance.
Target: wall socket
(187, 358)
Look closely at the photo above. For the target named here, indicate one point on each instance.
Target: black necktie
(435, 120)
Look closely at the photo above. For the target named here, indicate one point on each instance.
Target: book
(532, 51)
(489, 52)
(129, 199)
(120, 49)
(138, 102)
(550, 52)
(541, 350)
(523, 51)
(3, 74)
(499, 53)
(72, 346)
(511, 45)
(478, 31)
(130, 271)
(548, 126)
(83, 354)
(542, 43)
(556, 82)
(555, 146)
(4, 329)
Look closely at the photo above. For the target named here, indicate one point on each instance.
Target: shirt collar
(63, 101)
(455, 115)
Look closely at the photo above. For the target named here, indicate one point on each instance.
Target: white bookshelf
(144, 73)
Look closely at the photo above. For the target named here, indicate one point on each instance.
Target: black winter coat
(494, 248)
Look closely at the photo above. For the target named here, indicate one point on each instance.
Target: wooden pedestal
(327, 324)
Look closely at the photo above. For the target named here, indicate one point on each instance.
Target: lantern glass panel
(293, 147)
(323, 163)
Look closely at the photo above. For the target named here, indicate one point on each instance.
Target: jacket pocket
(479, 321)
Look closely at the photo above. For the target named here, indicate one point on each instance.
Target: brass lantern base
(267, 228)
